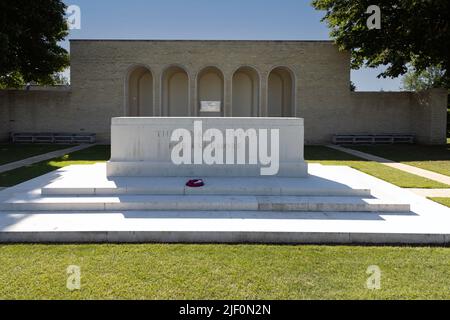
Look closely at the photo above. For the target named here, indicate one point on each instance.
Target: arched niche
(210, 85)
(175, 92)
(281, 93)
(140, 93)
(245, 93)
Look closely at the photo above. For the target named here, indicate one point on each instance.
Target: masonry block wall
(308, 79)
(4, 116)
(37, 111)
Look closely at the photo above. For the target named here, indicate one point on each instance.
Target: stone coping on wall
(40, 89)
(222, 121)
(198, 40)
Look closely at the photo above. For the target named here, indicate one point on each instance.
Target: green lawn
(160, 271)
(433, 158)
(153, 271)
(91, 155)
(328, 156)
(444, 201)
(15, 152)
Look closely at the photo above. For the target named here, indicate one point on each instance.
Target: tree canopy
(430, 78)
(413, 33)
(29, 35)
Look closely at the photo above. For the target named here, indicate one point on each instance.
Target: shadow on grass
(408, 153)
(328, 156)
(97, 154)
(15, 152)
(91, 155)
(321, 153)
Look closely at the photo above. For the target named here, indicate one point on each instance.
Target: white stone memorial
(142, 195)
(213, 147)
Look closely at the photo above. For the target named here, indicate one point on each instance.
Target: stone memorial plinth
(206, 147)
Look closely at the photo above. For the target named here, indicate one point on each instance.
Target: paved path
(42, 157)
(400, 166)
(432, 193)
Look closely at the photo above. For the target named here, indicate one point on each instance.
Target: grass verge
(15, 152)
(444, 201)
(91, 155)
(328, 156)
(222, 272)
(432, 158)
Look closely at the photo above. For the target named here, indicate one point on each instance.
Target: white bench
(58, 138)
(373, 139)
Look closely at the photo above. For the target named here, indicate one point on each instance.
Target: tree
(413, 32)
(430, 78)
(60, 79)
(29, 35)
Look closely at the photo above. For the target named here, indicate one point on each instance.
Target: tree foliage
(29, 35)
(413, 33)
(429, 78)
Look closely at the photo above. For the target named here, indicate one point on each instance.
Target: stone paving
(98, 209)
(432, 193)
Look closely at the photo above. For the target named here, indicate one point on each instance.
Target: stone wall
(102, 67)
(100, 71)
(423, 115)
(4, 116)
(37, 111)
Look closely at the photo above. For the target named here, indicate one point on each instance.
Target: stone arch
(210, 87)
(139, 92)
(175, 92)
(245, 100)
(281, 93)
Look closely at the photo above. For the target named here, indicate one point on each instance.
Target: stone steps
(267, 186)
(80, 204)
(202, 203)
(260, 190)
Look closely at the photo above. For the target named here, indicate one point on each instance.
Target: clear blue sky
(211, 19)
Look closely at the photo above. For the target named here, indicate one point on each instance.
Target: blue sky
(212, 19)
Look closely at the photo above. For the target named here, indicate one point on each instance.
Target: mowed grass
(328, 156)
(433, 158)
(158, 271)
(95, 154)
(444, 201)
(161, 271)
(15, 152)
